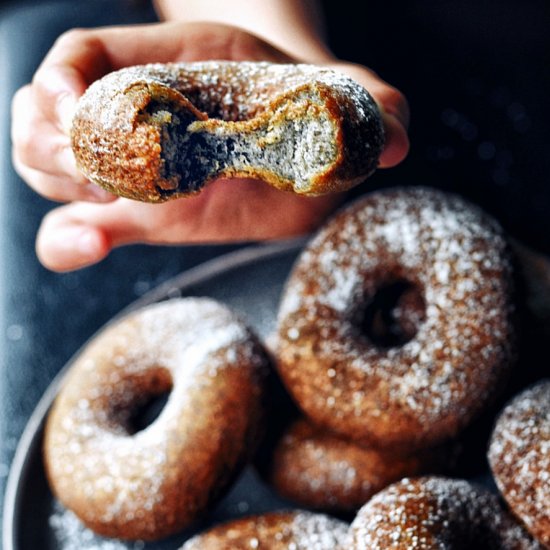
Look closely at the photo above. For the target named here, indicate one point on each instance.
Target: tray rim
(32, 433)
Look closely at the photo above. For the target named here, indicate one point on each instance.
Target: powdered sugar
(519, 455)
(296, 530)
(456, 257)
(110, 477)
(317, 532)
(155, 131)
(70, 534)
(436, 513)
(227, 90)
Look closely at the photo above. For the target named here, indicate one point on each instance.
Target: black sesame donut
(296, 530)
(153, 482)
(158, 132)
(323, 471)
(519, 455)
(434, 513)
(415, 391)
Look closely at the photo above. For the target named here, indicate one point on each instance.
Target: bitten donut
(435, 513)
(296, 530)
(519, 455)
(322, 471)
(416, 390)
(157, 132)
(153, 482)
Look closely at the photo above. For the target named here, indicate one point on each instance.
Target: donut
(519, 456)
(320, 470)
(132, 483)
(436, 513)
(162, 131)
(410, 392)
(295, 530)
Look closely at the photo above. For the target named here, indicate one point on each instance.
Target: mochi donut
(435, 513)
(295, 530)
(320, 470)
(519, 456)
(163, 131)
(149, 483)
(423, 388)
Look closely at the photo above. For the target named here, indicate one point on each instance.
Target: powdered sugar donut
(153, 482)
(435, 513)
(519, 456)
(158, 132)
(425, 387)
(296, 530)
(320, 470)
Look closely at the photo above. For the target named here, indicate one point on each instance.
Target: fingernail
(66, 107)
(395, 114)
(89, 245)
(98, 194)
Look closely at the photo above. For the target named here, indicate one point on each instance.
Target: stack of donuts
(385, 394)
(384, 390)
(396, 332)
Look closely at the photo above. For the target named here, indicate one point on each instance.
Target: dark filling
(393, 315)
(190, 159)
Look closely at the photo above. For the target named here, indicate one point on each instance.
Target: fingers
(43, 111)
(42, 155)
(396, 147)
(80, 234)
(394, 108)
(65, 247)
(81, 56)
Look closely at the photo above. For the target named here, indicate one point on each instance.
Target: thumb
(81, 234)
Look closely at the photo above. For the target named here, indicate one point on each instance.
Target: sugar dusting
(323, 133)
(70, 534)
(519, 455)
(317, 532)
(436, 513)
(227, 90)
(322, 471)
(296, 530)
(458, 258)
(182, 345)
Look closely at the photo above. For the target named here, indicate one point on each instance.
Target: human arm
(85, 230)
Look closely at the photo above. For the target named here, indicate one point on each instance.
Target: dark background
(476, 73)
(477, 77)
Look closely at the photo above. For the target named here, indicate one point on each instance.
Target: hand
(85, 230)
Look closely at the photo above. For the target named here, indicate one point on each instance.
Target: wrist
(295, 27)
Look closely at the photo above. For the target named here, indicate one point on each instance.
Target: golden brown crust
(434, 513)
(519, 455)
(425, 390)
(298, 530)
(298, 127)
(153, 482)
(323, 471)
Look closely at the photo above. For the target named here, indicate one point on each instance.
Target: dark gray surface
(475, 73)
(45, 317)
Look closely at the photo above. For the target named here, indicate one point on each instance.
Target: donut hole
(393, 314)
(146, 413)
(145, 398)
